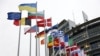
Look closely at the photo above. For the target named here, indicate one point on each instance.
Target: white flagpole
(30, 43)
(45, 42)
(37, 39)
(18, 52)
(37, 46)
(53, 52)
(46, 50)
(58, 52)
(53, 46)
(59, 47)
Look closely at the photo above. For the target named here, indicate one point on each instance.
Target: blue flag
(14, 15)
(66, 38)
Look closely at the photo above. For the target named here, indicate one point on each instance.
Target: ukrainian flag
(30, 7)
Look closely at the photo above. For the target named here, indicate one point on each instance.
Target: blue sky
(57, 9)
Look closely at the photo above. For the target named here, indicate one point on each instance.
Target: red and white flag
(44, 22)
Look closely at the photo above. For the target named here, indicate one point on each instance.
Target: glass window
(94, 31)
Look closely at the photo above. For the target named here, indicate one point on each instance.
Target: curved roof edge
(84, 24)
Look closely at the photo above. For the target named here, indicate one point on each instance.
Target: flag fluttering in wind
(44, 22)
(58, 37)
(36, 15)
(56, 41)
(70, 42)
(23, 21)
(14, 15)
(49, 38)
(49, 45)
(49, 22)
(70, 49)
(61, 37)
(32, 29)
(50, 42)
(74, 50)
(59, 40)
(41, 23)
(42, 33)
(30, 7)
(66, 39)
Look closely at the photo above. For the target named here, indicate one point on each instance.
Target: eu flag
(14, 15)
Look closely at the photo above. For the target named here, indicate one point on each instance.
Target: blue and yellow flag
(30, 7)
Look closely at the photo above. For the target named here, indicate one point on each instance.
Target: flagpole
(45, 36)
(30, 43)
(37, 40)
(46, 50)
(36, 32)
(19, 41)
(53, 45)
(64, 46)
(18, 51)
(45, 41)
(68, 52)
(37, 46)
(59, 47)
(54, 52)
(68, 47)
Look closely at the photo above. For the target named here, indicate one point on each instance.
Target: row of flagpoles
(32, 14)
(57, 39)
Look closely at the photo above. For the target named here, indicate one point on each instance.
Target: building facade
(87, 36)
